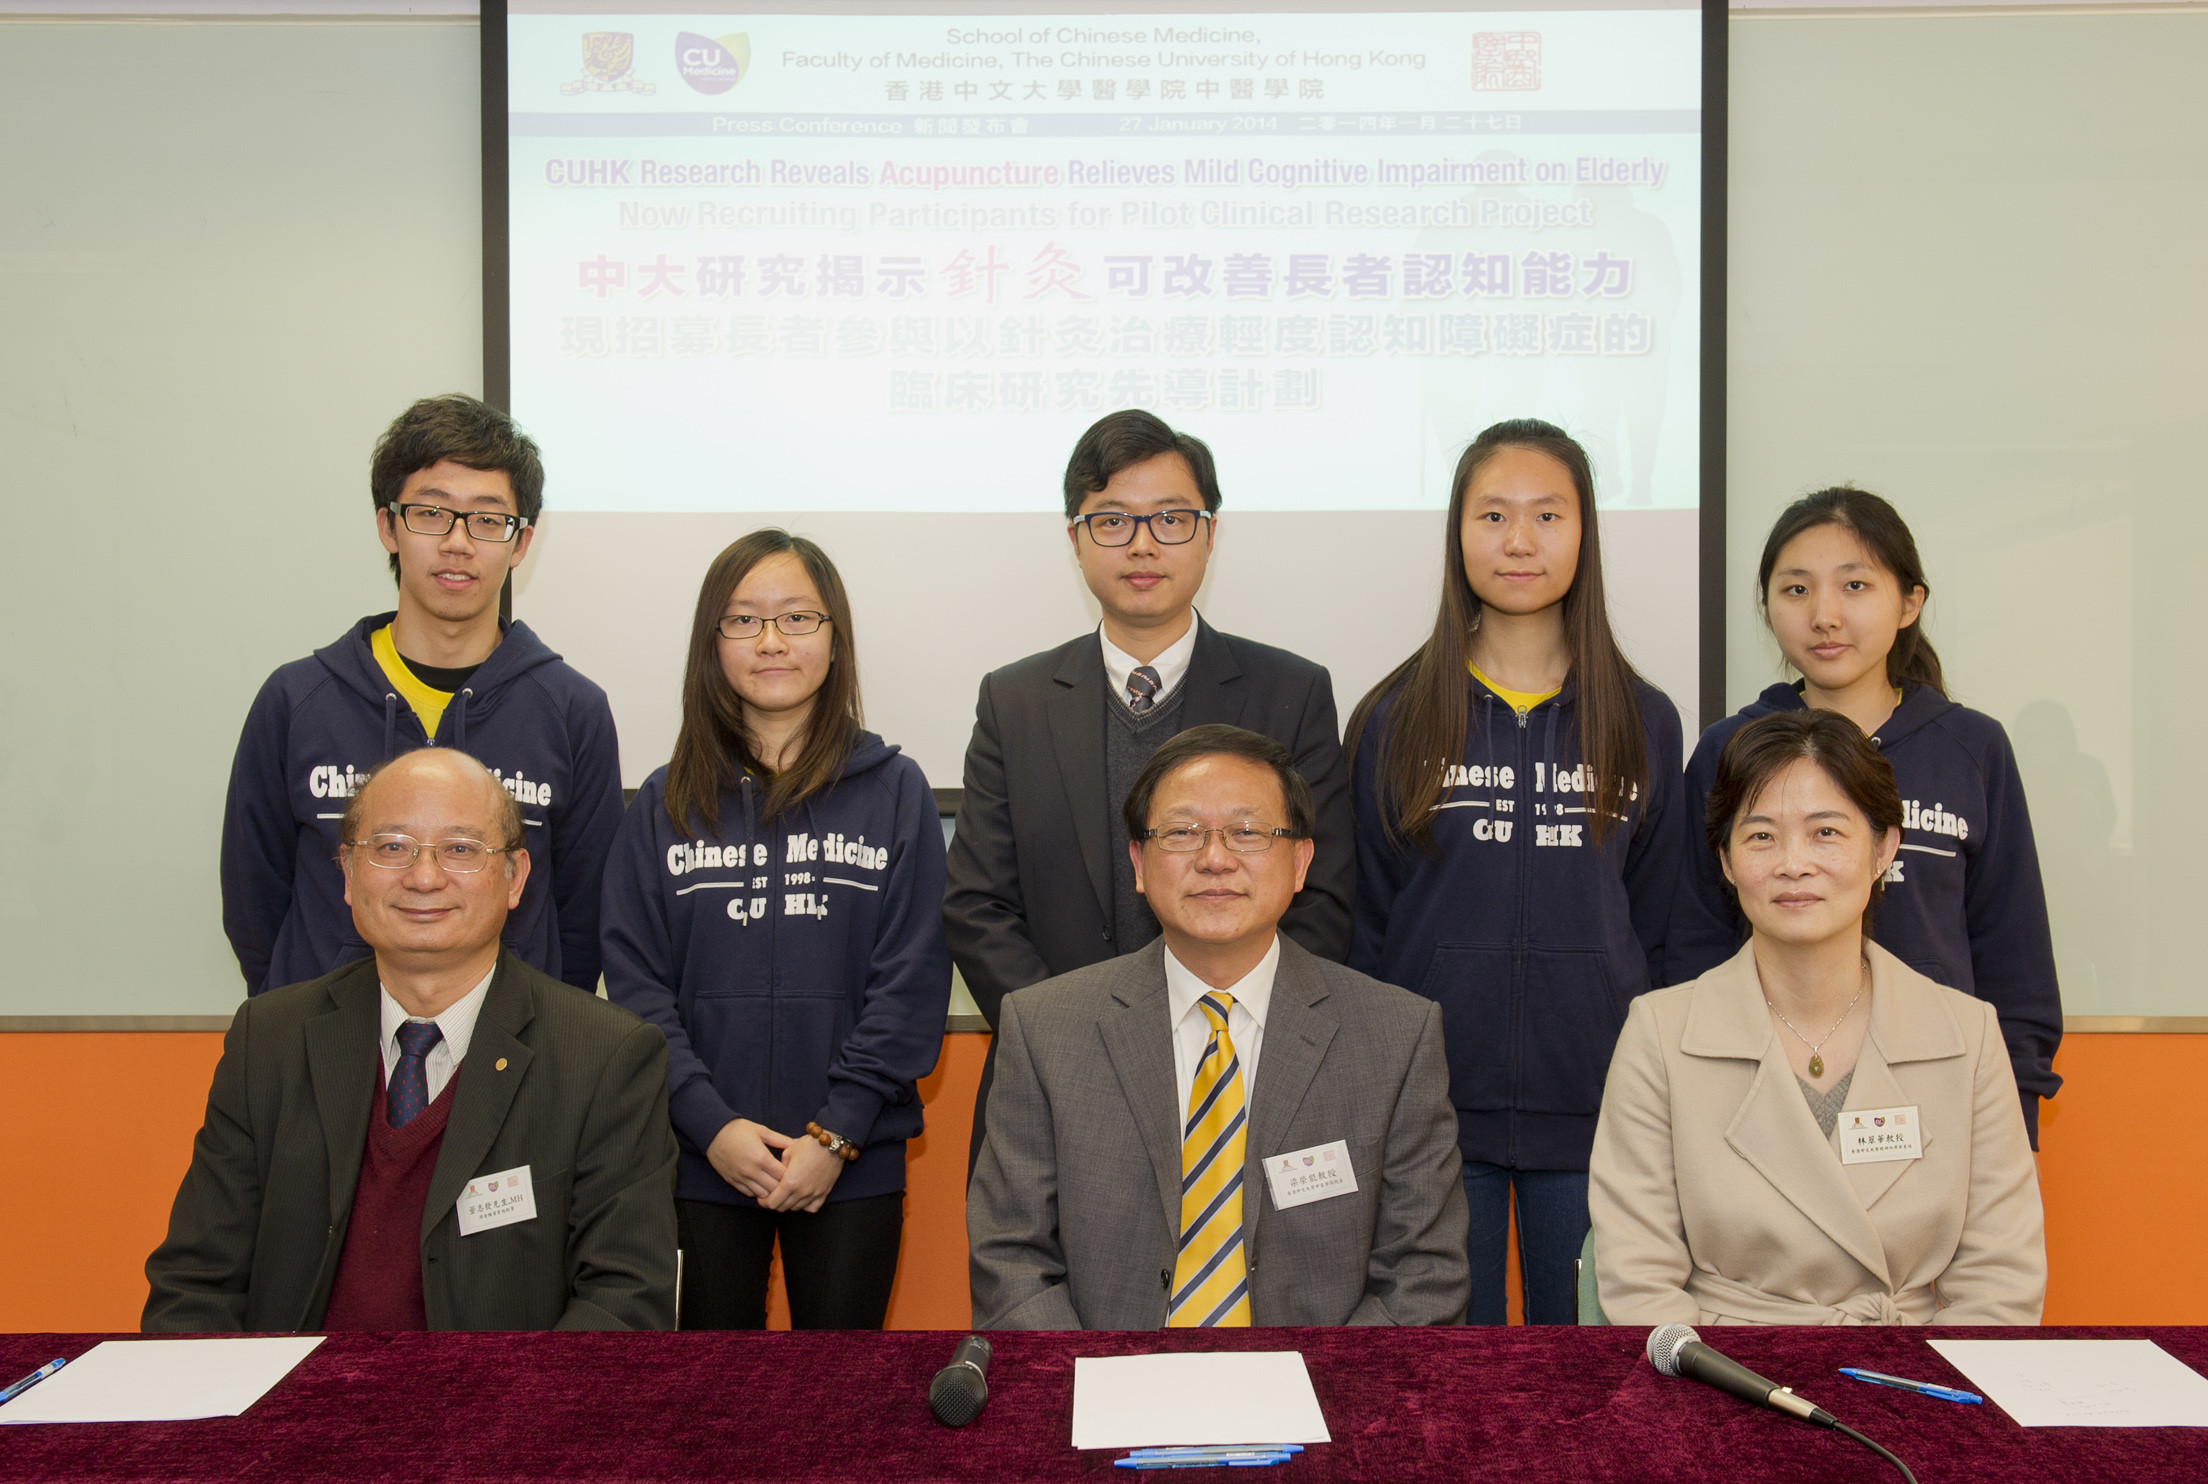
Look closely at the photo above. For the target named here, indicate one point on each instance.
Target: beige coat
(1716, 1199)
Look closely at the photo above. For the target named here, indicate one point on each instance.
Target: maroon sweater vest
(379, 1274)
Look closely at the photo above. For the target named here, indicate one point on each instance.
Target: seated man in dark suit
(1038, 885)
(437, 1137)
(1222, 1129)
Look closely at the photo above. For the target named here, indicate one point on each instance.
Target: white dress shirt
(1253, 996)
(444, 1058)
(1171, 665)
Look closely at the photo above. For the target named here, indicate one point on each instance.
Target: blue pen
(1223, 1460)
(1922, 1388)
(31, 1380)
(1191, 1450)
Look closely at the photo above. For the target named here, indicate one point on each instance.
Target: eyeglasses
(788, 625)
(1244, 838)
(483, 525)
(459, 855)
(1167, 527)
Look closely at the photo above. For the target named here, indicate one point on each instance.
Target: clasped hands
(797, 1179)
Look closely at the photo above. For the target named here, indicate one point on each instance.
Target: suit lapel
(1211, 685)
(1138, 1036)
(1076, 713)
(1297, 1036)
(1774, 1131)
(1906, 1026)
(488, 1078)
(343, 1060)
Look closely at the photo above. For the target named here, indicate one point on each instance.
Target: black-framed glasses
(788, 625)
(483, 525)
(460, 855)
(1243, 839)
(1167, 527)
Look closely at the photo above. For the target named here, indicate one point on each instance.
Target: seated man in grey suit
(1222, 1129)
(437, 1136)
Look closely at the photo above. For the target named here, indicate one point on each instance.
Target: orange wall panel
(102, 1129)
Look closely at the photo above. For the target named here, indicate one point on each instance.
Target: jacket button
(1165, 1279)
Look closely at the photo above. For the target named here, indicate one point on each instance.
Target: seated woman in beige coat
(1812, 1132)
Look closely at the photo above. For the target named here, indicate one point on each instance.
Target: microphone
(1676, 1350)
(960, 1389)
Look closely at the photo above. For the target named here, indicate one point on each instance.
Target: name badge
(1870, 1136)
(497, 1200)
(1302, 1176)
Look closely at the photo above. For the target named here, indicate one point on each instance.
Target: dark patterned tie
(1142, 689)
(408, 1093)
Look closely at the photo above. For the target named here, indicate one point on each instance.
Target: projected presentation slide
(869, 262)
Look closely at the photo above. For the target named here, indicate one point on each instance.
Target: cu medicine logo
(713, 64)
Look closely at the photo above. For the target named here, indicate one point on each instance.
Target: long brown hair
(1425, 729)
(714, 748)
(1885, 535)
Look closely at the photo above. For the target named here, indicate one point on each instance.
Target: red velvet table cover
(1453, 1404)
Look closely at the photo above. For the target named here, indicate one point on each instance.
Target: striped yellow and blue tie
(1211, 1279)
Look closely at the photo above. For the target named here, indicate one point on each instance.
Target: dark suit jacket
(1031, 861)
(1073, 1217)
(554, 1079)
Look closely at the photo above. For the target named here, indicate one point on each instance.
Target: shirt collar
(1253, 992)
(457, 1022)
(1171, 666)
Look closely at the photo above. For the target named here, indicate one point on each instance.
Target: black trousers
(838, 1263)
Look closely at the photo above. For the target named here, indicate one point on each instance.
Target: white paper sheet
(161, 1380)
(2083, 1383)
(1148, 1401)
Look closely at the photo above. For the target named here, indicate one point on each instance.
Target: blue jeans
(1552, 1223)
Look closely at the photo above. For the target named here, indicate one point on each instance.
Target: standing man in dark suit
(439, 1136)
(1039, 882)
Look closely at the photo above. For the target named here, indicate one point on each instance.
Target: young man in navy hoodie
(457, 490)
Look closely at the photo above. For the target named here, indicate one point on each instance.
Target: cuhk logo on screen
(608, 66)
(1506, 61)
(712, 64)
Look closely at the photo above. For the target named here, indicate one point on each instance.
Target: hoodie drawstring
(460, 724)
(390, 724)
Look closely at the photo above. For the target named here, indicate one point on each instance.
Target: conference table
(1454, 1404)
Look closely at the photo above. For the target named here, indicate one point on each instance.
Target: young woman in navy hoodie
(1515, 784)
(1842, 589)
(775, 905)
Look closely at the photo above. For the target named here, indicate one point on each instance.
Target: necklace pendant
(1816, 1066)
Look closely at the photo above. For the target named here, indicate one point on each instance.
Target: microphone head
(956, 1394)
(1664, 1344)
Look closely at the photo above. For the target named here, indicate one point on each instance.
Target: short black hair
(1212, 740)
(467, 431)
(1121, 440)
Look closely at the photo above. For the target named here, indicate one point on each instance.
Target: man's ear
(1305, 850)
(387, 529)
(1134, 853)
(518, 878)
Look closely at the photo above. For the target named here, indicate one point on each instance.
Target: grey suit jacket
(1073, 1216)
(554, 1079)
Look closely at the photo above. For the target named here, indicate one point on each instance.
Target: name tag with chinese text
(1870, 1136)
(497, 1200)
(1302, 1176)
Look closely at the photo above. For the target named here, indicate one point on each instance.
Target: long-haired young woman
(1843, 590)
(1515, 783)
(774, 904)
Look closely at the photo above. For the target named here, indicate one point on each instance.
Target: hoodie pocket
(1572, 1016)
(1472, 986)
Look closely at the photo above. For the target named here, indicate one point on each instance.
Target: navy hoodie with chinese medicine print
(321, 725)
(798, 970)
(1530, 935)
(1963, 904)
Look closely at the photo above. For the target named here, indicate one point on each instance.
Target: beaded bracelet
(835, 1144)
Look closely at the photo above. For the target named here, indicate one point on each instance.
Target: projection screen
(867, 271)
